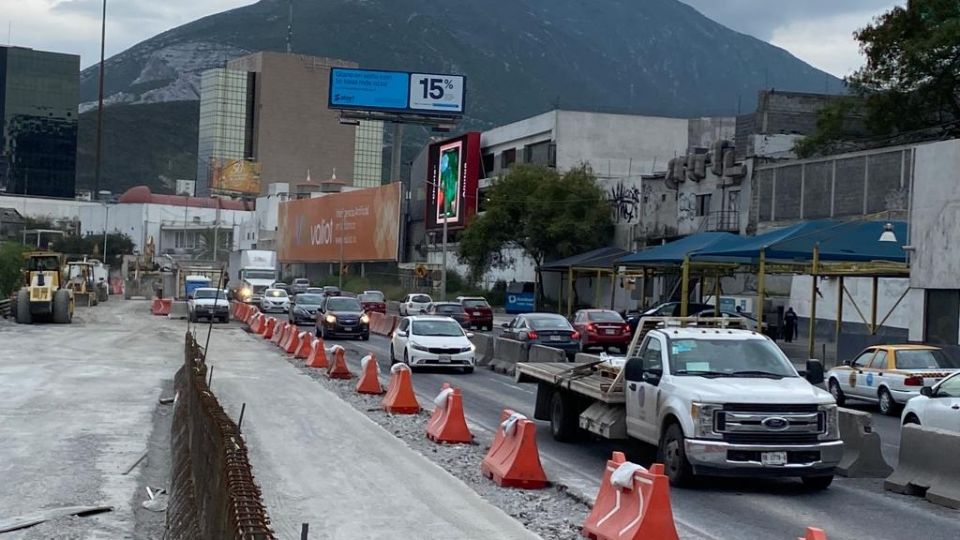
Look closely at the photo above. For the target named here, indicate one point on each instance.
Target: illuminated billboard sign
(397, 91)
(365, 222)
(236, 176)
(454, 179)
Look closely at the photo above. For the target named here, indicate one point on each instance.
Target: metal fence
(6, 308)
(212, 490)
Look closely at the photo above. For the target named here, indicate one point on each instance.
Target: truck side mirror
(814, 373)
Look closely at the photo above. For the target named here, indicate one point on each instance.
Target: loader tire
(61, 307)
(22, 308)
(103, 294)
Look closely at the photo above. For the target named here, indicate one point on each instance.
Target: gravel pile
(550, 513)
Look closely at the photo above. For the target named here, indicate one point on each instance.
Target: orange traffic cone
(814, 533)
(370, 379)
(633, 502)
(306, 346)
(278, 333)
(317, 358)
(513, 459)
(269, 328)
(437, 410)
(338, 368)
(400, 398)
(293, 342)
(451, 426)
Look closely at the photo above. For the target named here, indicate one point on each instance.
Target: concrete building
(368, 154)
(271, 109)
(11, 224)
(39, 99)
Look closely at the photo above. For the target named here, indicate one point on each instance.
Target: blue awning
(674, 252)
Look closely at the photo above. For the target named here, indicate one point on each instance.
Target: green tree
(207, 239)
(543, 213)
(11, 262)
(75, 246)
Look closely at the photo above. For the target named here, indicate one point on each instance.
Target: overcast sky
(817, 31)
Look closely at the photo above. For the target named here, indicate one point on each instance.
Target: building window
(487, 162)
(703, 205)
(508, 158)
(733, 200)
(542, 153)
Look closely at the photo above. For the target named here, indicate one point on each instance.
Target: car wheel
(406, 360)
(672, 454)
(365, 337)
(817, 483)
(836, 392)
(887, 405)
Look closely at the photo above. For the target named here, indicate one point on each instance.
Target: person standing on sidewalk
(789, 325)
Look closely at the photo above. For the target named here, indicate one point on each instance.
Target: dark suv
(342, 316)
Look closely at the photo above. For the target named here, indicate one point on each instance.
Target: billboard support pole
(343, 234)
(443, 270)
(397, 153)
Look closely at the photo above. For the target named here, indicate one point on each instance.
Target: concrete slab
(320, 461)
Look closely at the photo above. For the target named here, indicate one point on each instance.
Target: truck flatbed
(594, 380)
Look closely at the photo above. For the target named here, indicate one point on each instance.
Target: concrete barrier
(484, 345)
(179, 310)
(586, 358)
(862, 457)
(928, 465)
(506, 354)
(543, 354)
(393, 307)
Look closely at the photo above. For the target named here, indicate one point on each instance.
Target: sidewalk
(320, 461)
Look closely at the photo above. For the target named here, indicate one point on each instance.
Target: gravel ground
(552, 512)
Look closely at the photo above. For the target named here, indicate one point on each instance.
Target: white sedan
(275, 301)
(423, 340)
(937, 406)
(414, 304)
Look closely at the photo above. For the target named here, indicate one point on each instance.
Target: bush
(11, 262)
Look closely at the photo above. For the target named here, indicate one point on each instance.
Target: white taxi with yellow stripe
(889, 375)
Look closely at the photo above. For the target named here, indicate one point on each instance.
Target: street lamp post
(343, 237)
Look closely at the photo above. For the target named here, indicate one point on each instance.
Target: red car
(373, 301)
(602, 328)
(478, 310)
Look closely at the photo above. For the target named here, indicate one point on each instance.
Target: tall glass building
(368, 154)
(225, 122)
(39, 100)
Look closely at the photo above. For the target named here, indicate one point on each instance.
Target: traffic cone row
(400, 398)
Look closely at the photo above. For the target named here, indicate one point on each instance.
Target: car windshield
(420, 299)
(925, 359)
(553, 322)
(372, 296)
(276, 293)
(259, 274)
(331, 290)
(309, 299)
(475, 303)
(209, 293)
(343, 304)
(605, 316)
(314, 290)
(302, 281)
(437, 328)
(448, 308)
(728, 358)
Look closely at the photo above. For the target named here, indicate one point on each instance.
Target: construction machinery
(44, 295)
(81, 280)
(141, 275)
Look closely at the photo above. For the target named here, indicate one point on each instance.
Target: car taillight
(913, 380)
(592, 328)
(575, 335)
(531, 335)
(626, 328)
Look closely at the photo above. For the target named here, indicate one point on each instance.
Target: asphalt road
(715, 508)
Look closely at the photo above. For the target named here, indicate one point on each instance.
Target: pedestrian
(789, 324)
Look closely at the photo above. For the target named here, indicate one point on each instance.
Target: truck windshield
(728, 358)
(259, 274)
(209, 293)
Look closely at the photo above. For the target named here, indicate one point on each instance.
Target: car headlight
(365, 318)
(703, 420)
(331, 319)
(831, 419)
(246, 292)
(471, 348)
(420, 347)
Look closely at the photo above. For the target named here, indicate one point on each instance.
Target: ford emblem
(775, 423)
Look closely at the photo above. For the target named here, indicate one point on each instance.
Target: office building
(368, 154)
(39, 97)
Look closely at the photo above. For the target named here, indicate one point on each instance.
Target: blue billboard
(396, 91)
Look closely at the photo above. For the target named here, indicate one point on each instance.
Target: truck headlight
(703, 415)
(331, 319)
(831, 420)
(246, 292)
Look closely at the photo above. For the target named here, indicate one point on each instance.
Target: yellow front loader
(44, 295)
(81, 282)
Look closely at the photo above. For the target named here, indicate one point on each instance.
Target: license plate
(477, 314)
(445, 359)
(611, 332)
(348, 329)
(773, 458)
(556, 338)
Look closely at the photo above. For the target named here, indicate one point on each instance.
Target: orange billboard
(236, 176)
(365, 222)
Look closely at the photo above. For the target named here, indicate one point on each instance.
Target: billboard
(397, 91)
(454, 171)
(236, 176)
(365, 222)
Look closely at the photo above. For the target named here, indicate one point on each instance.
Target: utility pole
(99, 151)
(343, 238)
(106, 217)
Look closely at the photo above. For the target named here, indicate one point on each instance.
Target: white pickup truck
(714, 400)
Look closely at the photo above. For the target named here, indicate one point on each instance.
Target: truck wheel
(674, 457)
(23, 307)
(61, 307)
(817, 483)
(564, 419)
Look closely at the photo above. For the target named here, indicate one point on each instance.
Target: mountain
(521, 57)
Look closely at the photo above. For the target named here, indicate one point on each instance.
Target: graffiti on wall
(625, 202)
(686, 206)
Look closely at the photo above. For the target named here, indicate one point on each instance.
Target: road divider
(383, 325)
(161, 306)
(293, 341)
(506, 354)
(280, 333)
(928, 466)
(448, 424)
(514, 459)
(268, 328)
(337, 369)
(306, 346)
(248, 317)
(633, 503)
(256, 324)
(484, 346)
(370, 377)
(862, 456)
(543, 354)
(318, 357)
(178, 310)
(400, 398)
(814, 533)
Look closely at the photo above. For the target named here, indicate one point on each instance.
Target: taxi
(889, 375)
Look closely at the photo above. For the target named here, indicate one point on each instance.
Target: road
(717, 508)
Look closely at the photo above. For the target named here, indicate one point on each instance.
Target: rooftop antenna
(290, 29)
